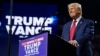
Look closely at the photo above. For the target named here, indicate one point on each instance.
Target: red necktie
(72, 30)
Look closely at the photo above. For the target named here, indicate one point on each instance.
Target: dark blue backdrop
(22, 9)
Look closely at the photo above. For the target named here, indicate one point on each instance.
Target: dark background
(91, 10)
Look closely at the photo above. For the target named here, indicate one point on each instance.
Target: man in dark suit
(79, 31)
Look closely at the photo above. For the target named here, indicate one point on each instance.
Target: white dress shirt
(77, 20)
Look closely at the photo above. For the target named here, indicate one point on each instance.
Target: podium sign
(34, 46)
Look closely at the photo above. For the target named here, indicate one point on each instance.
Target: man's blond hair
(76, 4)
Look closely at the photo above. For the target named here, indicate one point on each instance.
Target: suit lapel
(69, 26)
(79, 24)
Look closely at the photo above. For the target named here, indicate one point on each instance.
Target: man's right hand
(74, 43)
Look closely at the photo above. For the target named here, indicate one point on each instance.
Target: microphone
(41, 31)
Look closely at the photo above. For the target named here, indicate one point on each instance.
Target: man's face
(74, 11)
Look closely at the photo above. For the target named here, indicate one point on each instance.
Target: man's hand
(74, 43)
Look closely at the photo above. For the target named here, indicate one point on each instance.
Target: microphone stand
(10, 30)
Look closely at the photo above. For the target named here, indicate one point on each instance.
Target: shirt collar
(77, 19)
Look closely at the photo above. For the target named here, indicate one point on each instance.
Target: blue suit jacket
(83, 34)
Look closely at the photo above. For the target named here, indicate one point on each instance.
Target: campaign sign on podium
(34, 46)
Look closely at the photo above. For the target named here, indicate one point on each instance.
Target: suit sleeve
(63, 32)
(88, 34)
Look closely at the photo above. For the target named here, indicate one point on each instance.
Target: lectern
(45, 44)
(59, 47)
